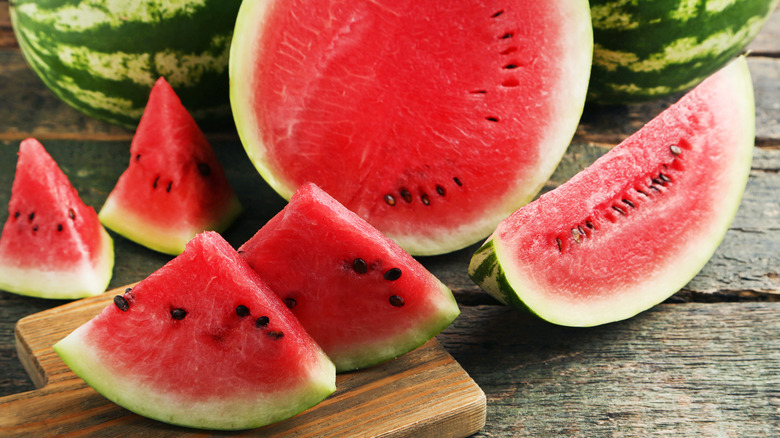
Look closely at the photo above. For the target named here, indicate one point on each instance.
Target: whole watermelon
(102, 57)
(648, 49)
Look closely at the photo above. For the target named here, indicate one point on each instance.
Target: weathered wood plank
(657, 374)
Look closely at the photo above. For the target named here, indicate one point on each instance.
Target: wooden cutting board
(424, 393)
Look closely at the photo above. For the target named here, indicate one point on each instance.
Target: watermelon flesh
(52, 245)
(174, 186)
(360, 296)
(638, 224)
(201, 343)
(431, 120)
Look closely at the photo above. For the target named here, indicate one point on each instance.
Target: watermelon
(645, 50)
(102, 57)
(360, 296)
(52, 245)
(174, 186)
(639, 223)
(431, 120)
(203, 343)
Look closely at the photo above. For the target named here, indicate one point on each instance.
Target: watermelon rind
(102, 57)
(85, 281)
(429, 233)
(502, 269)
(125, 222)
(648, 50)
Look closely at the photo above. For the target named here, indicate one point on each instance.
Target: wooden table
(705, 363)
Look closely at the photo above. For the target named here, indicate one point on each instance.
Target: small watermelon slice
(174, 186)
(52, 246)
(432, 120)
(202, 343)
(360, 296)
(639, 223)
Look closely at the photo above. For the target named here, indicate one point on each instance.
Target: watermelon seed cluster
(361, 267)
(407, 197)
(622, 207)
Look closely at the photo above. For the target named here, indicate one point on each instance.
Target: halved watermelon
(174, 186)
(52, 246)
(633, 228)
(433, 120)
(203, 343)
(360, 296)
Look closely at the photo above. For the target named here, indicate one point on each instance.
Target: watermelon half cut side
(53, 245)
(202, 343)
(174, 186)
(360, 296)
(639, 223)
(431, 120)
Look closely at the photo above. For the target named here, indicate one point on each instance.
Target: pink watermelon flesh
(360, 296)
(202, 343)
(174, 186)
(633, 228)
(431, 120)
(52, 246)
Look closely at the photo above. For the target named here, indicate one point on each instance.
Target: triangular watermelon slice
(203, 343)
(52, 246)
(360, 296)
(639, 223)
(174, 186)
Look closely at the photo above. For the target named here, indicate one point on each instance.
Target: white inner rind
(80, 280)
(245, 410)
(678, 269)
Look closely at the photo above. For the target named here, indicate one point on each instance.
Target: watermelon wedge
(174, 186)
(202, 343)
(360, 296)
(639, 223)
(432, 120)
(52, 246)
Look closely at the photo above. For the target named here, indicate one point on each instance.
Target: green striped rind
(486, 271)
(646, 50)
(102, 58)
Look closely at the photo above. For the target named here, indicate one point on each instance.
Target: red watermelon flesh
(633, 228)
(431, 120)
(203, 343)
(53, 245)
(360, 296)
(174, 186)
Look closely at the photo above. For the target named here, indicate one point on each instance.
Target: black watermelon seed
(168, 189)
(618, 209)
(35, 227)
(440, 190)
(629, 203)
(261, 321)
(290, 303)
(664, 178)
(121, 303)
(204, 169)
(425, 200)
(457, 181)
(510, 66)
(396, 301)
(491, 119)
(128, 290)
(178, 314)
(59, 227)
(71, 213)
(392, 274)
(675, 149)
(497, 14)
(154, 184)
(589, 224)
(390, 200)
(406, 196)
(242, 310)
(275, 334)
(657, 181)
(507, 35)
(17, 214)
(137, 157)
(559, 243)
(31, 216)
(360, 266)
